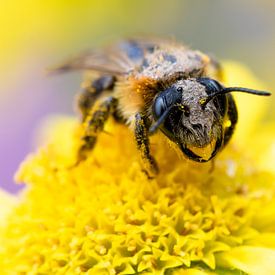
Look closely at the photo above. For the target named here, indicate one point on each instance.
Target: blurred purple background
(37, 34)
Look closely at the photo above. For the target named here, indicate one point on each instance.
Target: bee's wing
(112, 60)
(107, 61)
(117, 59)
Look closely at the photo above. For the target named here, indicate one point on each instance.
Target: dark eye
(211, 85)
(159, 107)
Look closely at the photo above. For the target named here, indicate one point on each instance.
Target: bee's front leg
(95, 124)
(142, 140)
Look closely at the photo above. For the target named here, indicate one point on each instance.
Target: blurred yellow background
(37, 34)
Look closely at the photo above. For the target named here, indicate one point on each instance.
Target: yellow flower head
(105, 217)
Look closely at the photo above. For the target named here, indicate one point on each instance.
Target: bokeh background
(36, 34)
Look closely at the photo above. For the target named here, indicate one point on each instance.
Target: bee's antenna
(245, 90)
(234, 89)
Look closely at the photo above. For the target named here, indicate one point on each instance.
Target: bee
(155, 84)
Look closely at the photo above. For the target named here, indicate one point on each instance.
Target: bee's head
(191, 113)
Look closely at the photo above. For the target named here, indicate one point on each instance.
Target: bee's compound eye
(212, 86)
(159, 107)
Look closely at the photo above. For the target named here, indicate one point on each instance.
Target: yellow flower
(105, 217)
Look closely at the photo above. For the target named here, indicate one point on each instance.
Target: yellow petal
(263, 240)
(252, 260)
(264, 220)
(264, 150)
(251, 108)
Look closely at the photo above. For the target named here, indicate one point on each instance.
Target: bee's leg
(92, 90)
(94, 125)
(142, 140)
(233, 117)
